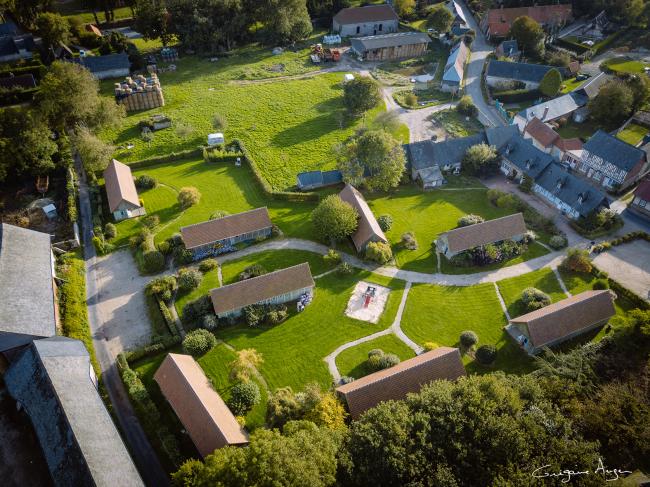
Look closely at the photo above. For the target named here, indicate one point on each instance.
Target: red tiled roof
(119, 185)
(369, 13)
(204, 415)
(571, 315)
(569, 144)
(500, 19)
(541, 132)
(397, 381)
(227, 227)
(368, 226)
(643, 191)
(488, 232)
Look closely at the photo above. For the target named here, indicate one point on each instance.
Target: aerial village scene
(324, 243)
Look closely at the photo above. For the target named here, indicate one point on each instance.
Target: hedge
(574, 46)
(598, 232)
(628, 237)
(172, 156)
(620, 290)
(515, 96)
(167, 316)
(38, 70)
(160, 344)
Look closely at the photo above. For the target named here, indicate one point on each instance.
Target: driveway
(628, 264)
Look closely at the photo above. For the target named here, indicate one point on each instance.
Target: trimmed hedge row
(161, 344)
(573, 46)
(619, 289)
(167, 316)
(628, 237)
(38, 70)
(173, 156)
(599, 232)
(17, 96)
(515, 96)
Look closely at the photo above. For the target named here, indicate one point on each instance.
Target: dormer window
(528, 164)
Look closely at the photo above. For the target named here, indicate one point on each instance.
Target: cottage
(27, 285)
(612, 163)
(394, 383)
(365, 21)
(390, 47)
(204, 415)
(522, 158)
(453, 242)
(318, 179)
(221, 234)
(561, 321)
(123, 201)
(509, 49)
(276, 287)
(497, 21)
(548, 111)
(543, 137)
(506, 75)
(570, 194)
(368, 229)
(108, 66)
(640, 204)
(454, 72)
(54, 382)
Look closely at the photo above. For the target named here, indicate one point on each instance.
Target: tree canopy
(151, 20)
(529, 35)
(439, 18)
(334, 219)
(480, 159)
(613, 104)
(551, 83)
(53, 29)
(361, 94)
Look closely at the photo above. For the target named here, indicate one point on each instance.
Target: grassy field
(78, 9)
(534, 250)
(352, 362)
(633, 133)
(210, 281)
(427, 214)
(441, 313)
(543, 279)
(626, 65)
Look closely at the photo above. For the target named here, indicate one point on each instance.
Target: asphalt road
(143, 455)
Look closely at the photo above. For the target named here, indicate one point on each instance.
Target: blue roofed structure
(454, 72)
(109, 66)
(8, 29)
(503, 72)
(520, 157)
(562, 106)
(318, 179)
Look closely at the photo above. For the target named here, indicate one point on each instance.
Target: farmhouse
(394, 383)
(570, 194)
(318, 179)
(274, 288)
(365, 21)
(522, 158)
(509, 49)
(562, 321)
(204, 415)
(108, 66)
(511, 227)
(220, 235)
(122, 196)
(54, 382)
(506, 75)
(546, 139)
(368, 229)
(641, 202)
(389, 47)
(29, 307)
(497, 21)
(452, 78)
(612, 163)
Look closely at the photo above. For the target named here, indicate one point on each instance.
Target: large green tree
(551, 83)
(53, 29)
(286, 20)
(374, 158)
(613, 104)
(94, 152)
(334, 219)
(360, 95)
(480, 159)
(439, 18)
(529, 35)
(639, 84)
(151, 20)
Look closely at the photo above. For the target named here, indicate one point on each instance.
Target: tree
(360, 95)
(151, 20)
(245, 365)
(529, 35)
(27, 10)
(577, 260)
(466, 106)
(639, 84)
(374, 158)
(303, 455)
(199, 342)
(94, 152)
(613, 104)
(486, 354)
(188, 196)
(243, 396)
(480, 159)
(551, 83)
(388, 121)
(334, 219)
(439, 18)
(53, 29)
(404, 8)
(532, 299)
(287, 20)
(189, 279)
(468, 339)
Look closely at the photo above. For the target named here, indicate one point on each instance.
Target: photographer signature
(566, 475)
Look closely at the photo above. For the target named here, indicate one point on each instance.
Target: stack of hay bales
(139, 93)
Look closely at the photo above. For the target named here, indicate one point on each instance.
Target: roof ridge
(226, 217)
(558, 306)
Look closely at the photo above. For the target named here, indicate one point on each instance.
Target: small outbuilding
(390, 47)
(368, 229)
(216, 139)
(454, 73)
(123, 200)
(108, 66)
(640, 204)
(318, 179)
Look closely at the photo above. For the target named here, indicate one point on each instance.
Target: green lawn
(582, 130)
(570, 85)
(456, 124)
(441, 313)
(543, 279)
(427, 214)
(633, 133)
(293, 351)
(78, 9)
(352, 362)
(534, 250)
(626, 65)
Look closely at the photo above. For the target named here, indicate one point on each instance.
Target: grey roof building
(509, 49)
(518, 71)
(108, 66)
(27, 287)
(384, 47)
(318, 179)
(522, 157)
(54, 381)
(562, 106)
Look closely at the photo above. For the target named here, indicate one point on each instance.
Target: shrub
(150, 221)
(189, 279)
(166, 295)
(375, 351)
(385, 222)
(378, 360)
(207, 265)
(532, 298)
(277, 315)
(428, 346)
(466, 106)
(182, 256)
(506, 201)
(411, 99)
(219, 214)
(470, 219)
(254, 270)
(344, 269)
(526, 184)
(577, 260)
(154, 261)
(551, 82)
(188, 196)
(388, 360)
(210, 322)
(379, 252)
(159, 285)
(254, 314)
(486, 354)
(557, 242)
(334, 219)
(199, 342)
(600, 284)
(332, 258)
(146, 182)
(243, 396)
(195, 310)
(468, 339)
(164, 247)
(409, 241)
(110, 231)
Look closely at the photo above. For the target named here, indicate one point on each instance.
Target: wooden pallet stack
(139, 93)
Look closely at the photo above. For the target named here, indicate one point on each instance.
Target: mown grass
(570, 85)
(626, 65)
(633, 133)
(73, 311)
(353, 361)
(535, 250)
(542, 279)
(440, 314)
(78, 9)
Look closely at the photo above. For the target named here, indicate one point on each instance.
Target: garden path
(561, 281)
(502, 301)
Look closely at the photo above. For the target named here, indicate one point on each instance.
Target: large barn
(389, 47)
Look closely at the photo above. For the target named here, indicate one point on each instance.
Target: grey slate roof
(97, 64)
(317, 179)
(26, 282)
(8, 29)
(53, 380)
(362, 44)
(592, 86)
(499, 136)
(571, 189)
(614, 150)
(518, 71)
(557, 107)
(528, 158)
(427, 153)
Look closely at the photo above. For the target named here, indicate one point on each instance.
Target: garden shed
(216, 139)
(123, 200)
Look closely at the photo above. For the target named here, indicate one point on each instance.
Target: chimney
(545, 113)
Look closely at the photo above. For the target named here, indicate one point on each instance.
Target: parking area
(628, 264)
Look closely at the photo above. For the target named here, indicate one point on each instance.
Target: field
(78, 9)
(626, 65)
(543, 279)
(633, 133)
(352, 362)
(441, 313)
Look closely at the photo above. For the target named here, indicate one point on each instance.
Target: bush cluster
(146, 182)
(577, 260)
(258, 314)
(254, 270)
(489, 254)
(199, 342)
(110, 231)
(628, 237)
(332, 258)
(486, 354)
(409, 241)
(385, 222)
(189, 279)
(195, 310)
(557, 242)
(468, 339)
(208, 265)
(160, 286)
(379, 252)
(243, 397)
(470, 219)
(532, 299)
(379, 360)
(466, 106)
(188, 196)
